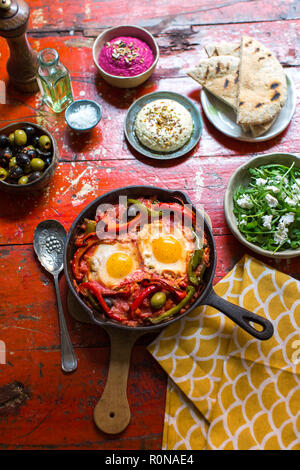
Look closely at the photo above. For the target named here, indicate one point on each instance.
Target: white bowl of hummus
(126, 55)
(163, 125)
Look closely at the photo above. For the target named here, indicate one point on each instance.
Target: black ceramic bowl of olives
(28, 157)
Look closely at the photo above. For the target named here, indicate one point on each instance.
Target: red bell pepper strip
(96, 289)
(108, 292)
(93, 288)
(142, 296)
(79, 254)
(179, 294)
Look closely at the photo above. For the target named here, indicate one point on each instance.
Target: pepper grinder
(22, 64)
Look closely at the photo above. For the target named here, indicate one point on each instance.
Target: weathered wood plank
(57, 411)
(157, 14)
(107, 141)
(93, 164)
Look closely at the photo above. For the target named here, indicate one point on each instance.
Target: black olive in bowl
(16, 157)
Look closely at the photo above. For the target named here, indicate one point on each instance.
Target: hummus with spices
(125, 57)
(163, 125)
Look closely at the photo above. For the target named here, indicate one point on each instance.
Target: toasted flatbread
(262, 87)
(260, 129)
(223, 48)
(219, 75)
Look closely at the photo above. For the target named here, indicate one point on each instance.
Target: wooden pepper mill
(22, 64)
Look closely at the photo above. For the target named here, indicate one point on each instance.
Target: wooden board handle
(112, 412)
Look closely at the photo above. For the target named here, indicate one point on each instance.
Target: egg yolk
(166, 249)
(119, 265)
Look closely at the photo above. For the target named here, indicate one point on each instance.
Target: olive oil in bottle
(54, 81)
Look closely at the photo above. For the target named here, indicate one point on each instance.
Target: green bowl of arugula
(262, 205)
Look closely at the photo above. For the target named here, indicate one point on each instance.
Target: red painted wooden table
(48, 409)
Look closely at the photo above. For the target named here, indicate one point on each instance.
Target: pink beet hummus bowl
(109, 36)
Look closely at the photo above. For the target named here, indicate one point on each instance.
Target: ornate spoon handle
(68, 358)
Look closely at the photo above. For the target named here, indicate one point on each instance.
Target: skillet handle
(241, 316)
(112, 412)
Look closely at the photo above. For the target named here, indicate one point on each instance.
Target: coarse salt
(85, 116)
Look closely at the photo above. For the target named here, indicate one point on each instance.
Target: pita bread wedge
(262, 88)
(260, 129)
(223, 48)
(219, 75)
(233, 48)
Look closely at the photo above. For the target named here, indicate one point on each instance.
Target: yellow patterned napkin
(227, 390)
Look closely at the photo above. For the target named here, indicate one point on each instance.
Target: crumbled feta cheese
(286, 219)
(281, 235)
(271, 200)
(243, 220)
(278, 179)
(292, 201)
(267, 219)
(261, 181)
(295, 188)
(274, 189)
(245, 202)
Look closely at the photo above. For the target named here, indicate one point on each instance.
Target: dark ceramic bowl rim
(32, 183)
(138, 28)
(93, 103)
(173, 194)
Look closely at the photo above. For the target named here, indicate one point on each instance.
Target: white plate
(223, 117)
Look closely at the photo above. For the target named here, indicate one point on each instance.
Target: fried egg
(165, 248)
(111, 263)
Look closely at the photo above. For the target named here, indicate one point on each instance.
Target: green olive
(11, 138)
(23, 180)
(3, 173)
(158, 300)
(12, 162)
(45, 142)
(37, 164)
(20, 137)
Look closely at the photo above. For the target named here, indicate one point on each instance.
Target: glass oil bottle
(54, 81)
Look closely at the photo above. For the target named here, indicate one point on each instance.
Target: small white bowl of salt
(83, 115)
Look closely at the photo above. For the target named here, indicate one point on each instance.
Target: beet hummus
(125, 57)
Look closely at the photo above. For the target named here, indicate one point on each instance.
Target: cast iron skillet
(240, 316)
(112, 413)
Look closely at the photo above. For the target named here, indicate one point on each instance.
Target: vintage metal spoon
(49, 241)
